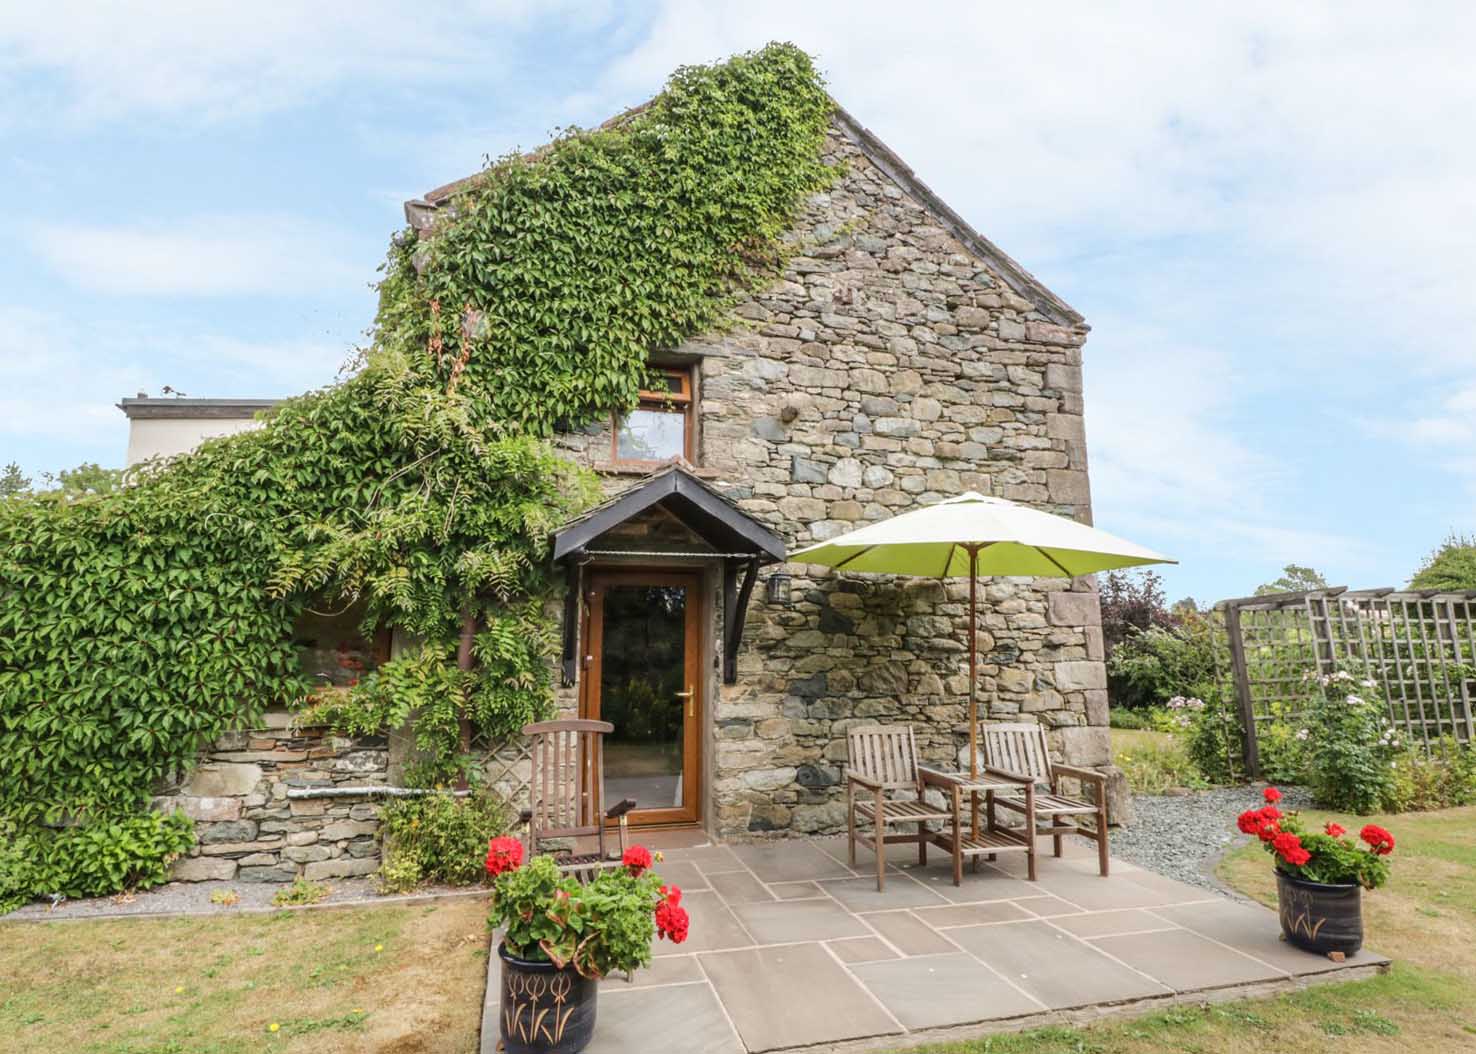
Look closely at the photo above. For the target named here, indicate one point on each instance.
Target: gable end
(1016, 277)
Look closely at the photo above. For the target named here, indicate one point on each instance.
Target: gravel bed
(193, 898)
(1182, 836)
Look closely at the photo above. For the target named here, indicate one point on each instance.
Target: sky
(1267, 212)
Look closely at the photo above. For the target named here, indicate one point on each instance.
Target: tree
(1294, 579)
(1451, 567)
(1131, 601)
(87, 478)
(12, 482)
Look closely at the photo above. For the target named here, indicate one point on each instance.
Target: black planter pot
(1320, 918)
(544, 1009)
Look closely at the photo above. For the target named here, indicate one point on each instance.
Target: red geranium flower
(1289, 847)
(638, 859)
(1378, 839)
(671, 894)
(1270, 813)
(1337, 830)
(1250, 822)
(504, 854)
(672, 921)
(1272, 795)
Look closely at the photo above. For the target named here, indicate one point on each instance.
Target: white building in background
(168, 426)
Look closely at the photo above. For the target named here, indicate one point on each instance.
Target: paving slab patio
(791, 947)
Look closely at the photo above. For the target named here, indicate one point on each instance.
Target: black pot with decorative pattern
(1320, 918)
(545, 1009)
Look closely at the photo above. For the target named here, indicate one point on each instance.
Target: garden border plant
(136, 626)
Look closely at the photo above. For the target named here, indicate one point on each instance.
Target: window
(660, 427)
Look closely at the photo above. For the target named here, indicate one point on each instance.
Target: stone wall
(890, 366)
(246, 828)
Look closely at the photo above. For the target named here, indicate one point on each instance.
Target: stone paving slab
(791, 947)
(937, 990)
(794, 995)
(1056, 968)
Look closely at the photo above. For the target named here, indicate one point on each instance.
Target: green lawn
(332, 981)
(1425, 919)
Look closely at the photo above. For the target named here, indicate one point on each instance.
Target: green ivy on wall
(134, 626)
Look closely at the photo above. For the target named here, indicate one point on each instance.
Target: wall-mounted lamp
(776, 591)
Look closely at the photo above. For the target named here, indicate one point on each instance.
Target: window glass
(649, 434)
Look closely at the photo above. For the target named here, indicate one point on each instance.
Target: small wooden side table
(971, 841)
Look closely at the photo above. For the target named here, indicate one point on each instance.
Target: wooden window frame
(685, 399)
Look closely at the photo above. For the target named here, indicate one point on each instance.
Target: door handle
(687, 695)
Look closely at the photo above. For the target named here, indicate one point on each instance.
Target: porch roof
(708, 514)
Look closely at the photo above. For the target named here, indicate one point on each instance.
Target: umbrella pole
(973, 698)
(973, 663)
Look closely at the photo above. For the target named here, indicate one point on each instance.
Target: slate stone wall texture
(889, 367)
(246, 828)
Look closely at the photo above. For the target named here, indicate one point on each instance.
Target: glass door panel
(643, 681)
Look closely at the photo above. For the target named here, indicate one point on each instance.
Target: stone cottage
(900, 359)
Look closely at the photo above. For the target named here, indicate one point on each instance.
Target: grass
(1154, 762)
(403, 979)
(1425, 919)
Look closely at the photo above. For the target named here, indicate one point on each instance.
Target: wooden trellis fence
(1420, 646)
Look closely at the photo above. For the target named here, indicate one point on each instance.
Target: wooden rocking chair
(881, 759)
(565, 783)
(1021, 751)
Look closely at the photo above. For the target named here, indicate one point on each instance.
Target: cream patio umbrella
(973, 535)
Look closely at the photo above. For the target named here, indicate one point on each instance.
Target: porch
(791, 947)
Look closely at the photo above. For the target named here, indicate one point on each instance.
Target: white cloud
(210, 59)
(60, 378)
(200, 256)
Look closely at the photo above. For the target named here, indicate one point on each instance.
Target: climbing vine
(136, 625)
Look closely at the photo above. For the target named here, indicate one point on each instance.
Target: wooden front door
(643, 674)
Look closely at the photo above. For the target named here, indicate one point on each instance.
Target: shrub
(1214, 741)
(1441, 779)
(438, 838)
(1131, 602)
(1148, 719)
(1284, 746)
(93, 860)
(1352, 745)
(1131, 720)
(1151, 666)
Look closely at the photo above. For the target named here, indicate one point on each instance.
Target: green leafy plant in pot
(1320, 876)
(559, 937)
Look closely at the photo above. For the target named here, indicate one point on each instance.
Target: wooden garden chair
(1020, 751)
(565, 785)
(882, 760)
